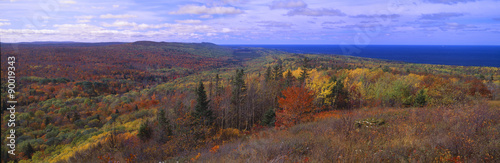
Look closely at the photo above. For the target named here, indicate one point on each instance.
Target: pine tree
(29, 150)
(421, 99)
(269, 118)
(239, 89)
(202, 112)
(303, 74)
(144, 131)
(268, 74)
(164, 126)
(289, 78)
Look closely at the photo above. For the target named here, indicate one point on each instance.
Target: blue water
(430, 54)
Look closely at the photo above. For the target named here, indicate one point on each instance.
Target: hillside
(160, 101)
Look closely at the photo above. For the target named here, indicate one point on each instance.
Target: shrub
(229, 133)
(421, 99)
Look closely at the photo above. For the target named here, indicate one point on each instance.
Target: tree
(238, 92)
(303, 74)
(28, 151)
(164, 126)
(296, 106)
(202, 112)
(268, 74)
(421, 99)
(289, 78)
(269, 118)
(338, 94)
(144, 131)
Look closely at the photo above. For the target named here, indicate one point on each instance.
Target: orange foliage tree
(296, 106)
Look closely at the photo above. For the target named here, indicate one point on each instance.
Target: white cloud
(68, 2)
(116, 6)
(315, 12)
(206, 16)
(83, 18)
(291, 4)
(4, 20)
(120, 23)
(189, 21)
(226, 30)
(110, 16)
(192, 9)
(2, 24)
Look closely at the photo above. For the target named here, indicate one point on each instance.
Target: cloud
(275, 24)
(4, 24)
(4, 20)
(440, 16)
(335, 22)
(226, 30)
(116, 6)
(192, 9)
(315, 12)
(289, 4)
(449, 2)
(189, 21)
(384, 16)
(110, 16)
(84, 18)
(68, 2)
(120, 23)
(457, 26)
(206, 16)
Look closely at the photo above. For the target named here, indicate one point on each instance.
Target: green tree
(238, 92)
(303, 74)
(202, 112)
(269, 118)
(29, 150)
(421, 99)
(289, 78)
(268, 74)
(144, 131)
(338, 94)
(164, 126)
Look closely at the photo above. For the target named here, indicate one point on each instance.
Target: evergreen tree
(338, 94)
(269, 118)
(218, 89)
(202, 112)
(289, 78)
(239, 89)
(29, 150)
(268, 74)
(164, 126)
(421, 99)
(303, 74)
(144, 131)
(278, 72)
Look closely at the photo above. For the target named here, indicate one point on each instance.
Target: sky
(344, 22)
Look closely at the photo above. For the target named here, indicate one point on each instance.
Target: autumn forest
(201, 102)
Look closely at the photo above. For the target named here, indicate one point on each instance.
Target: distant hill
(62, 44)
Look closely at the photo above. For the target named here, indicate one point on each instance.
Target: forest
(201, 102)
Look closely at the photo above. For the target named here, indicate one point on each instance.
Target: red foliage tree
(296, 106)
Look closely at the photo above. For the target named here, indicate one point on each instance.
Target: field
(200, 102)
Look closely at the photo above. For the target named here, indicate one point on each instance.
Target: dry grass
(445, 134)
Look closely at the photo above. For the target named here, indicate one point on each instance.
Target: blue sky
(359, 22)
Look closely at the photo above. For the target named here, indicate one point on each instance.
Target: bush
(421, 99)
(229, 133)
